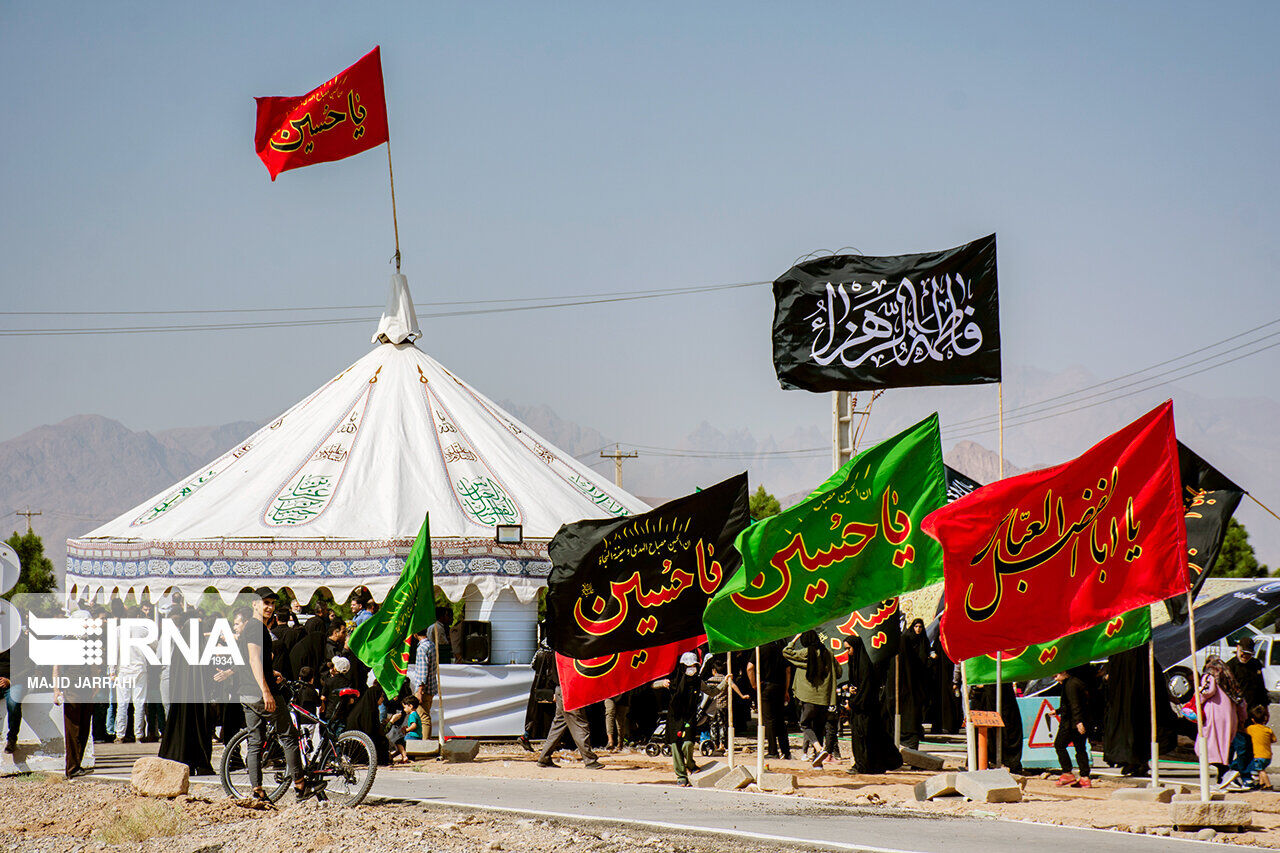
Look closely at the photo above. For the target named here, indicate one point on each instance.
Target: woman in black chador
(1126, 719)
(188, 731)
(869, 730)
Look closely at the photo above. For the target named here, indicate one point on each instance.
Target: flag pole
(1000, 419)
(1195, 669)
(395, 223)
(999, 690)
(439, 700)
(1264, 506)
(970, 747)
(760, 718)
(1155, 742)
(728, 674)
(897, 700)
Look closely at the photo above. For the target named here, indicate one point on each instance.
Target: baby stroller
(657, 744)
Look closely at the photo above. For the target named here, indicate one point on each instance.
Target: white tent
(332, 493)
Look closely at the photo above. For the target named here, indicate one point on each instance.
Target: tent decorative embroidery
(309, 491)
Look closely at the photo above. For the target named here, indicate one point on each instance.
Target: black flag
(623, 584)
(855, 322)
(879, 626)
(958, 485)
(1216, 619)
(1210, 499)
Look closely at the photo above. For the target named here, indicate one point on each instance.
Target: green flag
(1041, 661)
(382, 640)
(855, 541)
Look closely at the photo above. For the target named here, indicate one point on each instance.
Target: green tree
(763, 504)
(37, 569)
(1237, 560)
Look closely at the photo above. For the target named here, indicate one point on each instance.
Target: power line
(1164, 381)
(1063, 399)
(597, 299)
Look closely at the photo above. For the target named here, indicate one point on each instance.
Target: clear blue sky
(1125, 154)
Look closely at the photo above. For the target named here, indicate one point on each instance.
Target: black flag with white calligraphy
(958, 485)
(622, 584)
(857, 322)
(1210, 499)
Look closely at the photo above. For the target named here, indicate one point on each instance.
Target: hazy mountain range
(88, 469)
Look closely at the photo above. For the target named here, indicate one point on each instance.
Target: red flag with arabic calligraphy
(1051, 552)
(338, 119)
(585, 682)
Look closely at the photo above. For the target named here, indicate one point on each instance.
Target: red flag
(340, 118)
(583, 682)
(1045, 554)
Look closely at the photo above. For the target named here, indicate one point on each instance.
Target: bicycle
(336, 763)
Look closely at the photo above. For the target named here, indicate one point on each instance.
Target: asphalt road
(788, 820)
(772, 820)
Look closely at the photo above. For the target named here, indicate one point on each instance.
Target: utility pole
(617, 456)
(29, 514)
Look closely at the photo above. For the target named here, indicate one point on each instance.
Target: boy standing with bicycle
(262, 699)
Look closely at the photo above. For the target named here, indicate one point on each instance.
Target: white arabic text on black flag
(857, 322)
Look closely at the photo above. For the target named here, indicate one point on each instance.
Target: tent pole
(970, 746)
(1155, 741)
(999, 689)
(1195, 670)
(728, 674)
(760, 718)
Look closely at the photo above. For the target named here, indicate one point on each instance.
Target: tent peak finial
(399, 321)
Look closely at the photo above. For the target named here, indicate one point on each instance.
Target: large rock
(1143, 795)
(920, 760)
(709, 775)
(777, 783)
(738, 777)
(458, 750)
(159, 777)
(989, 786)
(942, 785)
(1189, 814)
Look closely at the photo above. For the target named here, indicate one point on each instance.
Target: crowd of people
(289, 654)
(797, 685)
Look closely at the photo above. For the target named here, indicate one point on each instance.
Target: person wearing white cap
(682, 729)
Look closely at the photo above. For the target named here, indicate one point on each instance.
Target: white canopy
(333, 492)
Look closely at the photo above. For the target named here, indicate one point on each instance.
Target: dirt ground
(48, 814)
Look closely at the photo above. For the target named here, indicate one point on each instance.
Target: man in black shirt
(1247, 671)
(262, 699)
(1072, 717)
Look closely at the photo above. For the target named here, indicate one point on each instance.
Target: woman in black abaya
(869, 732)
(188, 731)
(1126, 720)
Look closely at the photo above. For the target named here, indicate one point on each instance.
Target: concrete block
(1215, 813)
(159, 777)
(920, 760)
(1195, 797)
(738, 777)
(777, 783)
(422, 748)
(459, 750)
(989, 786)
(1144, 795)
(942, 785)
(709, 775)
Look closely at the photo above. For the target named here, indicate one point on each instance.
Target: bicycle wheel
(234, 768)
(351, 769)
